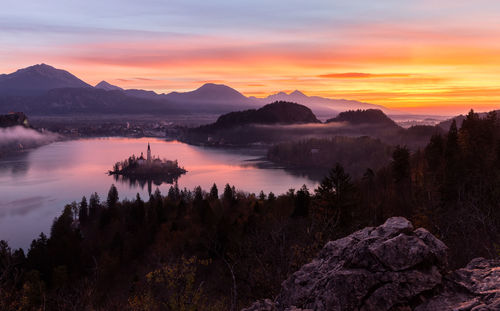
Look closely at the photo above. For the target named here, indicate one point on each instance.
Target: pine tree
(198, 194)
(452, 170)
(401, 164)
(302, 201)
(83, 213)
(112, 196)
(402, 179)
(214, 192)
(94, 205)
(228, 193)
(262, 195)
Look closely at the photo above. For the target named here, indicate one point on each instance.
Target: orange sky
(428, 57)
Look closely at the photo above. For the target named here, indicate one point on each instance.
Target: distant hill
(209, 92)
(320, 105)
(369, 116)
(276, 113)
(36, 80)
(108, 87)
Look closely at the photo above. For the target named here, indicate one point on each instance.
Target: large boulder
(390, 267)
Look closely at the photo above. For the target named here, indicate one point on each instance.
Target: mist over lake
(35, 185)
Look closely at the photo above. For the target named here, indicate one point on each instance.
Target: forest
(220, 250)
(354, 153)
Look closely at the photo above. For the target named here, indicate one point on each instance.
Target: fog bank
(25, 136)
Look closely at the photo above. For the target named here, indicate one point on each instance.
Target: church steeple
(149, 155)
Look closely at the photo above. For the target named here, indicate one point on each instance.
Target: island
(147, 170)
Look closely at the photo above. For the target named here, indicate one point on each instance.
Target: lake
(35, 185)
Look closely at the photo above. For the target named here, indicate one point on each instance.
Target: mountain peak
(107, 86)
(37, 79)
(39, 68)
(213, 86)
(41, 65)
(298, 94)
(210, 91)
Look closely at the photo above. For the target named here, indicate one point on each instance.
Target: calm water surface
(35, 186)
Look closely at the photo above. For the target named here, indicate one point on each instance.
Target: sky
(418, 56)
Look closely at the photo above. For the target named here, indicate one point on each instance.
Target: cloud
(392, 53)
(144, 79)
(362, 75)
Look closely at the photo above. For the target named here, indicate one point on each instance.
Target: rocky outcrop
(475, 287)
(390, 267)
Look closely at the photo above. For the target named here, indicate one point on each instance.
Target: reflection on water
(17, 165)
(35, 186)
(22, 206)
(133, 182)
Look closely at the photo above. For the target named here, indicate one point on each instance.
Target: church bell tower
(149, 155)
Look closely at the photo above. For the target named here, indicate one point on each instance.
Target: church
(148, 161)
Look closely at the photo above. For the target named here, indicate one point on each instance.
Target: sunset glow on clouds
(423, 56)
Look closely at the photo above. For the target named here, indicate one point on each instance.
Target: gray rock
(390, 267)
(473, 288)
(371, 269)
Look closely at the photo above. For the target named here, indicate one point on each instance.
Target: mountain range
(43, 89)
(320, 105)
